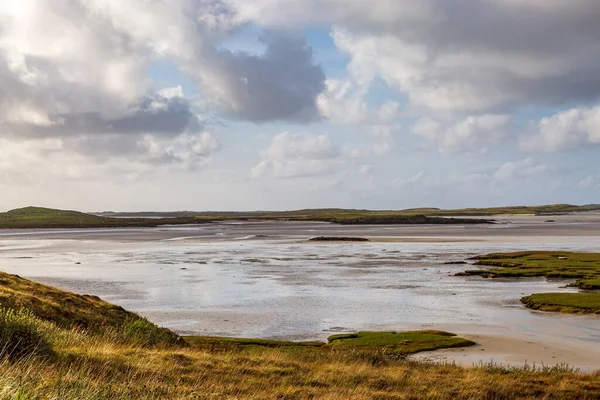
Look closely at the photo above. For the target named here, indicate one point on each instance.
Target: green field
(59, 345)
(582, 268)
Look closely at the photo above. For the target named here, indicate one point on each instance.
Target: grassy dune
(584, 268)
(109, 353)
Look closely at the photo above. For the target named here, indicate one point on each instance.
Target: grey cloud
(153, 114)
(281, 84)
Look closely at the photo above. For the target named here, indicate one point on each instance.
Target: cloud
(281, 84)
(382, 144)
(569, 129)
(522, 169)
(403, 182)
(295, 155)
(467, 56)
(471, 133)
(344, 102)
(80, 67)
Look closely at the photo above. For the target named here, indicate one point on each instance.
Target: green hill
(40, 217)
(48, 217)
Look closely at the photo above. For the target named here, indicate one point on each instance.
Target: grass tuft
(144, 333)
(21, 336)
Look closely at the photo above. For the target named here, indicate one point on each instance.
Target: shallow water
(283, 286)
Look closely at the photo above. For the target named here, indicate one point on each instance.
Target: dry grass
(93, 368)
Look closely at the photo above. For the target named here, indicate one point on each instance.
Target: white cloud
(522, 169)
(403, 182)
(382, 144)
(569, 129)
(471, 133)
(295, 155)
(344, 102)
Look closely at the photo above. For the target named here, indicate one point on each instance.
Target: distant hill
(40, 217)
(36, 216)
(341, 215)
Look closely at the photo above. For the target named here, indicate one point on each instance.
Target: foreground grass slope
(68, 310)
(584, 268)
(116, 361)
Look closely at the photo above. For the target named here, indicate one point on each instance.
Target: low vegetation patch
(401, 342)
(338, 239)
(564, 302)
(583, 267)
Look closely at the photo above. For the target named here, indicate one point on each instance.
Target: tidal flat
(267, 280)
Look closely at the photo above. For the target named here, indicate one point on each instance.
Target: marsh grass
(564, 302)
(584, 268)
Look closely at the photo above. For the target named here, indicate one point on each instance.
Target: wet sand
(267, 280)
(508, 350)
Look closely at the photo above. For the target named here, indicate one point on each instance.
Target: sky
(286, 104)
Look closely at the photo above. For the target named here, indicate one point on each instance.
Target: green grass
(584, 268)
(564, 302)
(401, 342)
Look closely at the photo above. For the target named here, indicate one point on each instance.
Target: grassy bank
(583, 268)
(564, 302)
